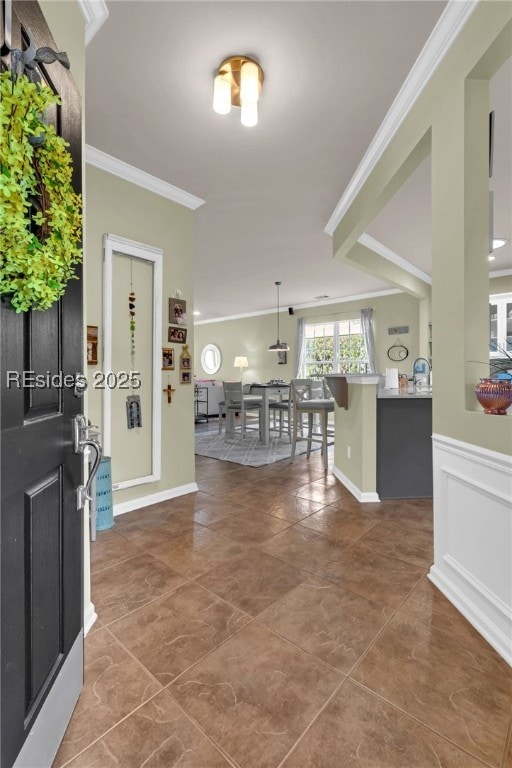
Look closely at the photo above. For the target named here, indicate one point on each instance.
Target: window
(500, 324)
(336, 347)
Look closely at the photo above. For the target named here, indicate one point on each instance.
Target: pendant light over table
(279, 346)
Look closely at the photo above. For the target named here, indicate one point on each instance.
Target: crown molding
(347, 299)
(95, 13)
(501, 273)
(387, 253)
(241, 316)
(450, 23)
(322, 303)
(112, 165)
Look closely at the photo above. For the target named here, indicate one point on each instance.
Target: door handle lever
(83, 493)
(82, 440)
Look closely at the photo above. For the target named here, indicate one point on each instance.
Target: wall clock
(397, 352)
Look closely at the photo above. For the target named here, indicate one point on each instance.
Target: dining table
(267, 392)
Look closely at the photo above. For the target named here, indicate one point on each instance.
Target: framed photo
(167, 359)
(92, 345)
(133, 412)
(282, 358)
(178, 311)
(185, 363)
(177, 335)
(185, 377)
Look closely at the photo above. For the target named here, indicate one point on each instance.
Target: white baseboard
(493, 634)
(473, 536)
(362, 496)
(90, 617)
(154, 498)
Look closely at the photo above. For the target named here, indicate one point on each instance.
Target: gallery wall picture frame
(92, 345)
(185, 358)
(282, 357)
(177, 335)
(178, 311)
(167, 359)
(185, 377)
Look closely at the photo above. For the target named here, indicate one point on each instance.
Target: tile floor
(270, 620)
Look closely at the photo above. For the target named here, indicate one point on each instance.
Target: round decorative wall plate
(397, 352)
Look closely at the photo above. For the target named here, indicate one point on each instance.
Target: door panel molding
(43, 574)
(45, 737)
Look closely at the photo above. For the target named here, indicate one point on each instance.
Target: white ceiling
(332, 70)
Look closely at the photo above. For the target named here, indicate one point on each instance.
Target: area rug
(248, 451)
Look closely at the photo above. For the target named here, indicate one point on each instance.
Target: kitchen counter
(406, 394)
(404, 445)
(383, 438)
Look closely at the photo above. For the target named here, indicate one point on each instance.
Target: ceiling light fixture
(279, 346)
(238, 84)
(498, 242)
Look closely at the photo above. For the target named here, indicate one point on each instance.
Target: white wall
(120, 208)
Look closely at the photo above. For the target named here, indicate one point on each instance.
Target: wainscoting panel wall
(473, 536)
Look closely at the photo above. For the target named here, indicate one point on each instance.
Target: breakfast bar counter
(383, 446)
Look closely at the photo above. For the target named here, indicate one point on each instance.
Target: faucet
(421, 370)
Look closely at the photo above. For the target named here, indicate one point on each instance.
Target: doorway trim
(114, 244)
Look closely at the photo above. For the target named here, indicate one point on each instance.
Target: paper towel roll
(391, 378)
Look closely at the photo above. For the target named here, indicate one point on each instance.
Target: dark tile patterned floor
(271, 620)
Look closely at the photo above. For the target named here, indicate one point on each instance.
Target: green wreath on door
(40, 214)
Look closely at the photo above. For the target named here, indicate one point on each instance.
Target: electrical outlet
(349, 451)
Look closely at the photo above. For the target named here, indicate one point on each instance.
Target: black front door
(41, 529)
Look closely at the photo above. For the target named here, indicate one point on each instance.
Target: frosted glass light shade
(249, 85)
(249, 116)
(221, 96)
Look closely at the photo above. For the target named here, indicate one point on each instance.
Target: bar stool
(303, 403)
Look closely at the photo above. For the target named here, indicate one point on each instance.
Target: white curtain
(369, 340)
(299, 349)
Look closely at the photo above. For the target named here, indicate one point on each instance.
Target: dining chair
(306, 402)
(222, 406)
(282, 407)
(236, 402)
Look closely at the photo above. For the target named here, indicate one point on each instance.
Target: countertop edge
(395, 394)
